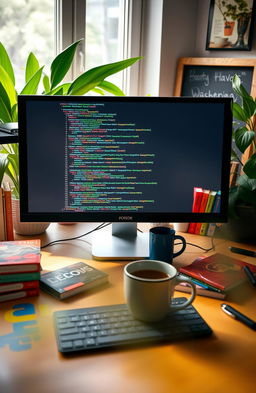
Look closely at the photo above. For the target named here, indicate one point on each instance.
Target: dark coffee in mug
(150, 274)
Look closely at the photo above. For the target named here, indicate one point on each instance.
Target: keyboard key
(90, 342)
(78, 336)
(69, 331)
(78, 343)
(67, 345)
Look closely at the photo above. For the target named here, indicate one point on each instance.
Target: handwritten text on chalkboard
(213, 81)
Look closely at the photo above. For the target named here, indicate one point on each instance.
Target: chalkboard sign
(208, 81)
(212, 77)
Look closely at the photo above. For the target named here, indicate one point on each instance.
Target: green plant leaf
(5, 98)
(12, 170)
(239, 88)
(46, 83)
(8, 86)
(232, 200)
(243, 138)
(61, 88)
(92, 78)
(12, 158)
(245, 182)
(249, 106)
(111, 88)
(32, 85)
(15, 112)
(4, 112)
(98, 91)
(249, 167)
(31, 67)
(15, 180)
(236, 83)
(62, 63)
(238, 112)
(3, 166)
(5, 62)
(247, 196)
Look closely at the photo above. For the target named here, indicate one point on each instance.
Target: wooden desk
(224, 362)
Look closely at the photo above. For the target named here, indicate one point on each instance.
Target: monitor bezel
(28, 216)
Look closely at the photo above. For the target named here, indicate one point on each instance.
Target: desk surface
(224, 362)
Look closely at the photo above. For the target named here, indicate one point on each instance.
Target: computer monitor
(122, 160)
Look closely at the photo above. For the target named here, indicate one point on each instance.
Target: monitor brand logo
(125, 218)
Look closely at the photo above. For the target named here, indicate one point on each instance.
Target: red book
(8, 213)
(18, 295)
(20, 256)
(218, 270)
(198, 193)
(18, 286)
(202, 209)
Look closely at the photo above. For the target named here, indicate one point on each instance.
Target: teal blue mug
(161, 244)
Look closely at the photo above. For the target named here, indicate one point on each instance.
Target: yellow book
(208, 209)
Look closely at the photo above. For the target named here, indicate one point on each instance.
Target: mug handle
(192, 297)
(184, 245)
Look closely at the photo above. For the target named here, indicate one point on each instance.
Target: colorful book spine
(215, 209)
(202, 209)
(208, 209)
(18, 295)
(18, 286)
(198, 194)
(8, 212)
(19, 277)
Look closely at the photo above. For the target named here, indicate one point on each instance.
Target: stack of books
(19, 269)
(215, 275)
(204, 201)
(6, 222)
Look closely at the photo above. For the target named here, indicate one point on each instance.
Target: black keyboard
(87, 329)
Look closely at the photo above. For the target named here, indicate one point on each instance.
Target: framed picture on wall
(230, 25)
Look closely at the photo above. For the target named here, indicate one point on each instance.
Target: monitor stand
(124, 243)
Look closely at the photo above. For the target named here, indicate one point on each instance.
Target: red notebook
(218, 270)
(20, 256)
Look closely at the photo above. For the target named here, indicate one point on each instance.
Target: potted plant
(238, 11)
(242, 196)
(92, 80)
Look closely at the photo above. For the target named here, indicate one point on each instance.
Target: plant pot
(242, 229)
(26, 228)
(228, 28)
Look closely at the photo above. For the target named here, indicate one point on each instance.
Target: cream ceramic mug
(149, 286)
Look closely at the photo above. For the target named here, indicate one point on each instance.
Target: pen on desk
(250, 275)
(238, 316)
(243, 251)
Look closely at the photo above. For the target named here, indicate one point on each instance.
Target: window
(27, 26)
(106, 27)
(110, 31)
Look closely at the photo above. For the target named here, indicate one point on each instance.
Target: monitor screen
(118, 159)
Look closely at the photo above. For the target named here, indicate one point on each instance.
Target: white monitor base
(106, 247)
